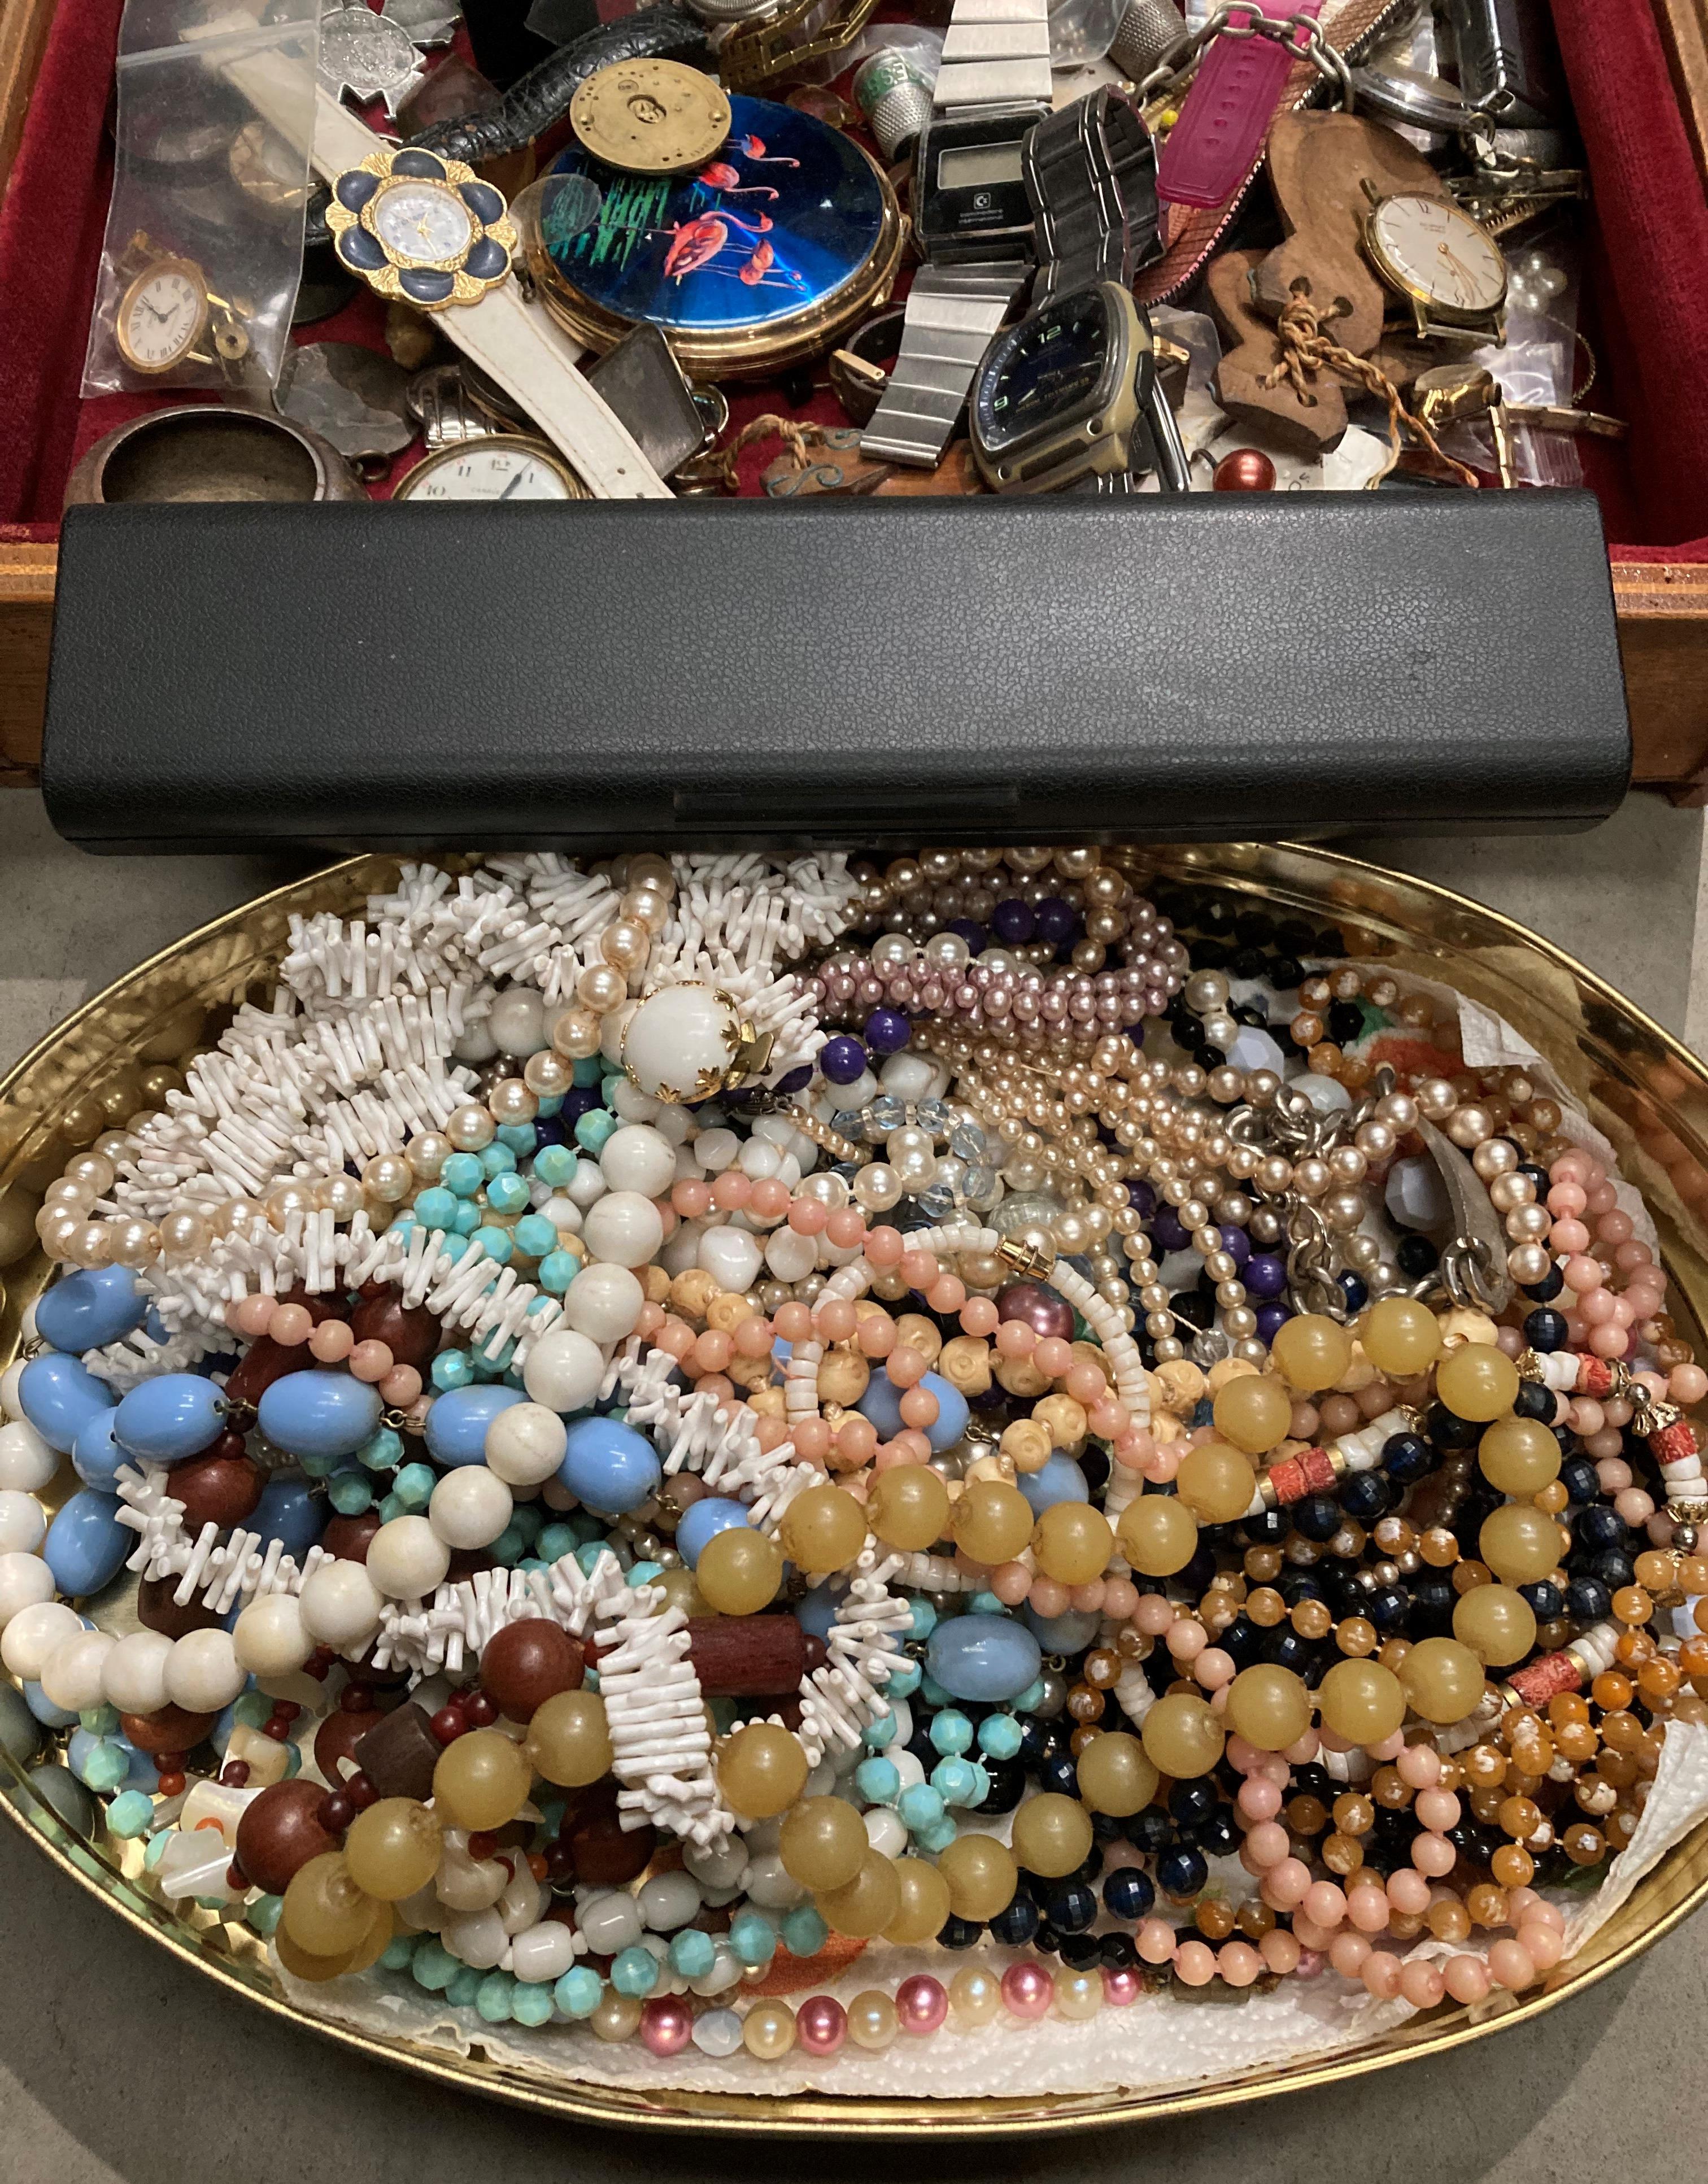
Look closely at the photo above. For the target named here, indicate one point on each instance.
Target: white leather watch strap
(508, 337)
(518, 345)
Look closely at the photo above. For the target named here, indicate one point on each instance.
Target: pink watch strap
(1216, 141)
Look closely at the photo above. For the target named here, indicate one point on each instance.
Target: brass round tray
(1646, 1093)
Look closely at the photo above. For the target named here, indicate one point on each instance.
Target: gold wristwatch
(1444, 264)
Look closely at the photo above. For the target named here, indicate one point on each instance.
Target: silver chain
(1301, 36)
(1467, 1274)
(1295, 1127)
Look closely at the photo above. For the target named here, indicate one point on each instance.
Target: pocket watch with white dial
(165, 313)
(504, 466)
(1446, 266)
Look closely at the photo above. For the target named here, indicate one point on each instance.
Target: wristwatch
(972, 220)
(1091, 176)
(1069, 399)
(1445, 266)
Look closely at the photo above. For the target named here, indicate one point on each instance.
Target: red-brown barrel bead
(526, 1664)
(264, 1361)
(336, 1741)
(324, 1305)
(411, 1333)
(157, 1610)
(280, 1831)
(169, 1728)
(747, 1656)
(217, 1490)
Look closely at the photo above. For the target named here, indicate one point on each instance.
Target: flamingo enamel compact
(760, 257)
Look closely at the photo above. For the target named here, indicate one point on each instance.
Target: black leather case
(696, 674)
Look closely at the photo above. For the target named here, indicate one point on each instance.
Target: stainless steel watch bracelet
(1091, 173)
(952, 313)
(995, 53)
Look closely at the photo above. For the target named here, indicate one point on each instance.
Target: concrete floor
(116, 2064)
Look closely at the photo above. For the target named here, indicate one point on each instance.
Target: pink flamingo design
(695, 242)
(754, 147)
(721, 175)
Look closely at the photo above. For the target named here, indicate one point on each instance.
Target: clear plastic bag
(1537, 365)
(204, 247)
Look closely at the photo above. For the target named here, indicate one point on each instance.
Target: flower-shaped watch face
(421, 228)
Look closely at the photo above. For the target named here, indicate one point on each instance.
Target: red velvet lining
(1645, 307)
(1646, 264)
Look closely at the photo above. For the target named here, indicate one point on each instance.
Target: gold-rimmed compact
(764, 255)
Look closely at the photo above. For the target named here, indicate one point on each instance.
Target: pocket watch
(504, 466)
(1445, 265)
(167, 311)
(651, 117)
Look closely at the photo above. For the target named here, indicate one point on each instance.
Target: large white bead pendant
(685, 1043)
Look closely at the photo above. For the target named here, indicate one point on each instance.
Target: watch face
(1438, 255)
(1044, 372)
(421, 228)
(421, 224)
(497, 469)
(969, 188)
(160, 316)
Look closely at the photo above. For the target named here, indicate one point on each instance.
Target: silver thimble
(894, 93)
(899, 116)
(1146, 31)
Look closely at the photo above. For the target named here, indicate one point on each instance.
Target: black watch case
(1091, 419)
(969, 190)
